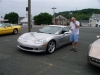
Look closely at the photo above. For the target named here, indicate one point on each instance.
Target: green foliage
(43, 18)
(83, 14)
(12, 17)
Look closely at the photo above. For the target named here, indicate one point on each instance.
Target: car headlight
(39, 41)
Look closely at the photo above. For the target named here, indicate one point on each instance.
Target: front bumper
(94, 61)
(31, 48)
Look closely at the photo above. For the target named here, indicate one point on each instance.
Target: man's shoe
(72, 49)
(75, 50)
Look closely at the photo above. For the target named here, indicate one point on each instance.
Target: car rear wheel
(51, 47)
(15, 31)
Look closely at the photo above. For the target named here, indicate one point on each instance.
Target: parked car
(94, 53)
(7, 28)
(46, 39)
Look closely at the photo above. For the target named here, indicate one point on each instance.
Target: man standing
(74, 27)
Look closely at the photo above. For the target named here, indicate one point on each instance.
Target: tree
(43, 18)
(12, 17)
(83, 14)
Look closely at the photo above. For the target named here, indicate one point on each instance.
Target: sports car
(6, 28)
(47, 39)
(94, 53)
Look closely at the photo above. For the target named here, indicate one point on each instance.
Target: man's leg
(76, 36)
(72, 40)
(73, 45)
(76, 45)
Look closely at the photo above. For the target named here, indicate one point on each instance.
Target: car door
(65, 38)
(2, 29)
(8, 28)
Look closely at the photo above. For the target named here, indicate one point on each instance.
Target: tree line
(46, 18)
(83, 14)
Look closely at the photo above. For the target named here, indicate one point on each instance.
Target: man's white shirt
(74, 29)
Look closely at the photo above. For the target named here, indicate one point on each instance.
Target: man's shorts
(74, 37)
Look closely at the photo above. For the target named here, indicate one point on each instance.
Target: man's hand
(71, 29)
(74, 21)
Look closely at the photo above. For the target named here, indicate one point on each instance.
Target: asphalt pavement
(62, 62)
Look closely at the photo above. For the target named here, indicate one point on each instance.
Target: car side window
(8, 25)
(65, 29)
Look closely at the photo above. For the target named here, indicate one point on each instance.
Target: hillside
(83, 14)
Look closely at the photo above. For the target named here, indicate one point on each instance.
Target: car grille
(28, 48)
(95, 60)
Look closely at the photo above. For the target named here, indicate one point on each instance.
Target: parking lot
(62, 62)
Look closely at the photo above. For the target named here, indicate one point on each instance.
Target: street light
(54, 14)
(70, 13)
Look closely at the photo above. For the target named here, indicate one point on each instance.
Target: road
(62, 62)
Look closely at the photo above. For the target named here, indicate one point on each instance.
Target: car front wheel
(51, 47)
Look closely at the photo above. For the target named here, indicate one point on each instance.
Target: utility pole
(54, 15)
(29, 15)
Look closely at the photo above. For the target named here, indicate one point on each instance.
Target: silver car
(94, 53)
(46, 39)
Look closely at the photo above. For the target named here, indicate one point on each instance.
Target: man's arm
(76, 25)
(70, 27)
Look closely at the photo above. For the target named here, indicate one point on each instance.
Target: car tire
(51, 47)
(15, 31)
(88, 59)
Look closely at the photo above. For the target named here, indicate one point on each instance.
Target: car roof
(58, 25)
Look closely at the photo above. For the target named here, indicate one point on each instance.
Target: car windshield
(1, 25)
(14, 24)
(50, 29)
(4, 24)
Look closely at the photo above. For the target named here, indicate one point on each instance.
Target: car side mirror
(5, 26)
(66, 32)
(98, 36)
(12, 26)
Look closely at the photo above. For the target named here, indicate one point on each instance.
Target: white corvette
(46, 39)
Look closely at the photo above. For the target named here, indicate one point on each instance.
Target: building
(94, 20)
(60, 20)
(24, 20)
(84, 22)
(19, 20)
(2, 20)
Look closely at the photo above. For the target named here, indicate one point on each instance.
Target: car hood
(36, 35)
(95, 49)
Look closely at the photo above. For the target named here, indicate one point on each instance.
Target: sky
(38, 6)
